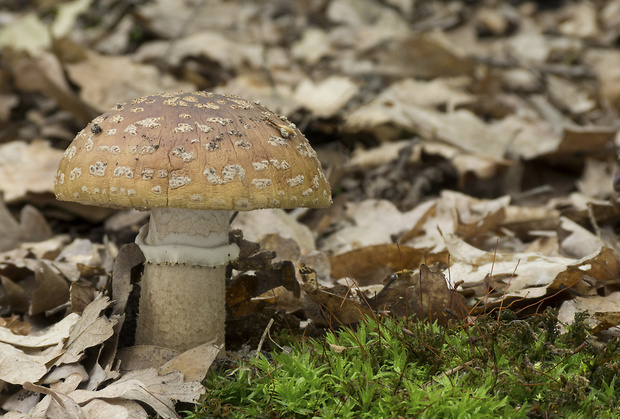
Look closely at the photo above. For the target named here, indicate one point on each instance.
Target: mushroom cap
(195, 150)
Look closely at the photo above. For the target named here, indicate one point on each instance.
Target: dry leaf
(51, 291)
(106, 80)
(256, 224)
(327, 97)
(194, 363)
(91, 329)
(27, 168)
(142, 357)
(115, 408)
(325, 307)
(146, 386)
(371, 264)
(425, 295)
(17, 367)
(52, 336)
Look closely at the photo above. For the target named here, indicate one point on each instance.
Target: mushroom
(191, 159)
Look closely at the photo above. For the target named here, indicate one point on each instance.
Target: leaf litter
(472, 148)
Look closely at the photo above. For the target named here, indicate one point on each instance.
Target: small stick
(449, 372)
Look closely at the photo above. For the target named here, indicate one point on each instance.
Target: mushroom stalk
(183, 287)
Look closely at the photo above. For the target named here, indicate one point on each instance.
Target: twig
(448, 373)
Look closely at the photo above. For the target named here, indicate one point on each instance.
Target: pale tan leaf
(27, 168)
(17, 367)
(147, 386)
(54, 335)
(92, 329)
(327, 97)
(115, 408)
(193, 363)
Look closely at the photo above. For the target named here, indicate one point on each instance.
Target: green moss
(404, 368)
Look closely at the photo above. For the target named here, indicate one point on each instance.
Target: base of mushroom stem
(181, 306)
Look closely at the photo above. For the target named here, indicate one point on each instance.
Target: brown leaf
(15, 297)
(81, 295)
(371, 264)
(244, 287)
(128, 259)
(607, 320)
(474, 231)
(425, 295)
(587, 274)
(15, 325)
(265, 277)
(52, 290)
(325, 307)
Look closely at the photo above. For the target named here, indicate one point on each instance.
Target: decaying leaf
(425, 295)
(325, 307)
(371, 264)
(264, 277)
(106, 81)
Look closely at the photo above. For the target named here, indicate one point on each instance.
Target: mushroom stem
(181, 306)
(183, 287)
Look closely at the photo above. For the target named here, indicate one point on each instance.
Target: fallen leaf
(326, 308)
(256, 224)
(27, 168)
(425, 295)
(52, 336)
(142, 357)
(146, 386)
(17, 367)
(108, 80)
(193, 363)
(371, 264)
(51, 291)
(115, 408)
(326, 98)
(91, 329)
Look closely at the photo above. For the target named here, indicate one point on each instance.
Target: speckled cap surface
(192, 150)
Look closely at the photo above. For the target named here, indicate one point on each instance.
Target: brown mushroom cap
(192, 150)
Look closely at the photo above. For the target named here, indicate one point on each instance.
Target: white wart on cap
(192, 150)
